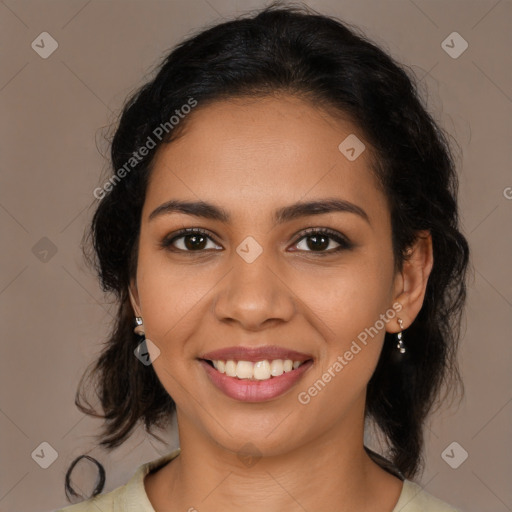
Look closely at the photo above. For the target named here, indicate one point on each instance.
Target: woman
(281, 231)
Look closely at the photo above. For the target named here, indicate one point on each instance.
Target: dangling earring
(400, 345)
(139, 328)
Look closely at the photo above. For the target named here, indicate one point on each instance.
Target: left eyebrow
(281, 215)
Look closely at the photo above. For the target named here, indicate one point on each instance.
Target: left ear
(134, 297)
(412, 280)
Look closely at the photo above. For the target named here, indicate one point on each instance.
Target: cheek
(349, 298)
(171, 297)
(350, 304)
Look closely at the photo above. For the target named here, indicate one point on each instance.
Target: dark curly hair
(291, 49)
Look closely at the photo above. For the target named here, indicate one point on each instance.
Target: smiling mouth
(258, 370)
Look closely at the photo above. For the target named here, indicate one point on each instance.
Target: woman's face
(254, 279)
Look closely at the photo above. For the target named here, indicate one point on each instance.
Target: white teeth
(276, 367)
(244, 370)
(260, 370)
(231, 368)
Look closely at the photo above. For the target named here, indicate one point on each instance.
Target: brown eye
(188, 240)
(319, 240)
(192, 242)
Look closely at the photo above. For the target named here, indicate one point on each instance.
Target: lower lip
(247, 390)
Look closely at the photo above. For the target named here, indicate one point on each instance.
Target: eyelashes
(325, 233)
(319, 235)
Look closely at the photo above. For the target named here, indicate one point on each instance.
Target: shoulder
(415, 499)
(104, 502)
(131, 496)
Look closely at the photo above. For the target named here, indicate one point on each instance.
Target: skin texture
(251, 157)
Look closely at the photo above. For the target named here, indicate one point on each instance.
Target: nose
(254, 295)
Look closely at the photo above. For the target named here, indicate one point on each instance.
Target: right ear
(134, 297)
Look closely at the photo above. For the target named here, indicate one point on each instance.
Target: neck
(331, 472)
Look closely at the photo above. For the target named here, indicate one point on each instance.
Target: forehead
(263, 152)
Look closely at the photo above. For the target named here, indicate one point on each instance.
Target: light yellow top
(132, 496)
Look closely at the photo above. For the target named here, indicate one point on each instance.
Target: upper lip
(254, 354)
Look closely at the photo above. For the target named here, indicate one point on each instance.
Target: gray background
(54, 316)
